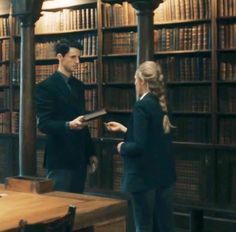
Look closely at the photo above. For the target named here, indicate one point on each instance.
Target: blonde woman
(149, 167)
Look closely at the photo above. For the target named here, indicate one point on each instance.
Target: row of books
(4, 151)
(44, 71)
(15, 122)
(119, 99)
(192, 129)
(227, 71)
(190, 99)
(227, 34)
(93, 126)
(4, 74)
(117, 172)
(5, 122)
(188, 185)
(4, 98)
(4, 26)
(65, 20)
(45, 49)
(227, 99)
(186, 68)
(182, 10)
(120, 42)
(40, 170)
(119, 71)
(227, 7)
(91, 97)
(195, 37)
(115, 15)
(16, 98)
(227, 131)
(87, 72)
(233, 184)
(4, 49)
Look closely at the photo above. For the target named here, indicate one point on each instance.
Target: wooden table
(92, 214)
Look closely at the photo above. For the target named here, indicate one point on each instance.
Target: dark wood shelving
(183, 83)
(119, 111)
(176, 23)
(225, 147)
(193, 145)
(119, 55)
(107, 84)
(191, 113)
(4, 37)
(227, 50)
(120, 28)
(226, 113)
(69, 32)
(183, 52)
(224, 19)
(4, 86)
(5, 62)
(226, 82)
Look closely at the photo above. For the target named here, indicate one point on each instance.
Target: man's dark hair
(64, 45)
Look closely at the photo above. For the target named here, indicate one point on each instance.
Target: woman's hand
(115, 127)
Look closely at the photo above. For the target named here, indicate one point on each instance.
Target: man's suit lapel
(64, 91)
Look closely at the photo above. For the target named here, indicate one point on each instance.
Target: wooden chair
(62, 224)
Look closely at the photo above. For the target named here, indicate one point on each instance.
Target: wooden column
(145, 8)
(28, 12)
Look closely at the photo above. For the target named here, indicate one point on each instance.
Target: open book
(95, 114)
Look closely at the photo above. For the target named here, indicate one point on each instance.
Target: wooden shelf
(183, 52)
(223, 19)
(62, 33)
(191, 113)
(226, 113)
(225, 147)
(182, 83)
(193, 145)
(4, 37)
(120, 28)
(119, 55)
(4, 62)
(4, 86)
(227, 50)
(54, 60)
(119, 111)
(226, 82)
(111, 84)
(3, 110)
(175, 23)
(5, 135)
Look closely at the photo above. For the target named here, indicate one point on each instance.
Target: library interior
(194, 41)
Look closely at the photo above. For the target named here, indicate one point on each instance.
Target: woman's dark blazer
(147, 151)
(56, 104)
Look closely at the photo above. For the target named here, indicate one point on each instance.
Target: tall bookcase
(195, 44)
(194, 41)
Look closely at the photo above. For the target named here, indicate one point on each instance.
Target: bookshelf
(193, 41)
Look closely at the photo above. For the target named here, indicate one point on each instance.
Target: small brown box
(28, 184)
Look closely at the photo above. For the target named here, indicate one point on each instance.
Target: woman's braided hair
(150, 72)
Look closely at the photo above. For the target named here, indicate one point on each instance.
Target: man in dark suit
(60, 107)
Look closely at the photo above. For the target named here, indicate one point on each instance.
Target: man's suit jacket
(56, 105)
(147, 151)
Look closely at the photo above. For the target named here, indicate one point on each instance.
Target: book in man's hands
(95, 114)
